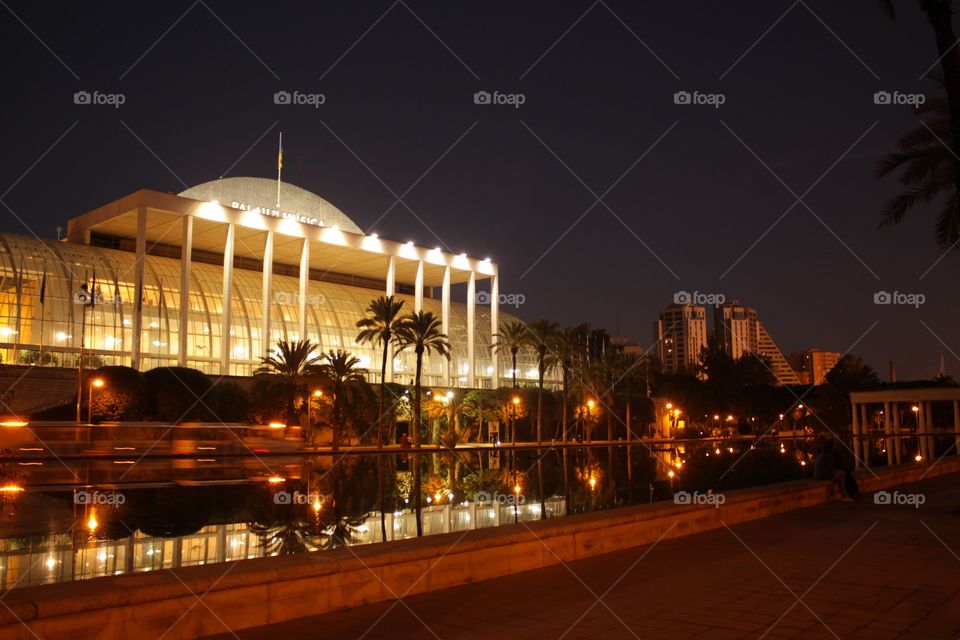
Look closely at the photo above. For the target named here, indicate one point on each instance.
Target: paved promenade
(841, 570)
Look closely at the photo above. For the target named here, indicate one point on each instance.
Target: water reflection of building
(63, 557)
(213, 277)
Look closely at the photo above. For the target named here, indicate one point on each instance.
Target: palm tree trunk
(564, 416)
(417, 501)
(513, 423)
(335, 423)
(540, 400)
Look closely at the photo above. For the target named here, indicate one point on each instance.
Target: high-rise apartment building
(680, 335)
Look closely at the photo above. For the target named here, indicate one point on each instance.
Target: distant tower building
(813, 365)
(735, 329)
(738, 331)
(680, 335)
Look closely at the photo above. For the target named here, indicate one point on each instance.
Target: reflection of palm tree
(422, 332)
(342, 375)
(286, 536)
(342, 533)
(378, 327)
(293, 361)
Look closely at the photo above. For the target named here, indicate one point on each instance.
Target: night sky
(521, 184)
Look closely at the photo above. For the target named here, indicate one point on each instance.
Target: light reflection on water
(89, 518)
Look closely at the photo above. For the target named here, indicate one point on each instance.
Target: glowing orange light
(14, 423)
(276, 479)
(92, 523)
(97, 382)
(11, 488)
(277, 425)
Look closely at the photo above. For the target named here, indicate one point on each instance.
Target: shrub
(123, 395)
(178, 394)
(229, 402)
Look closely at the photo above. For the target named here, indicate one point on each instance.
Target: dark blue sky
(399, 97)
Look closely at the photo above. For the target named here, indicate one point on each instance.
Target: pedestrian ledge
(211, 599)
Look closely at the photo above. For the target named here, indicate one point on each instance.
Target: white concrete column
(418, 294)
(266, 306)
(391, 290)
(227, 316)
(888, 431)
(304, 289)
(141, 252)
(956, 426)
(855, 413)
(445, 319)
(494, 327)
(186, 255)
(471, 328)
(898, 442)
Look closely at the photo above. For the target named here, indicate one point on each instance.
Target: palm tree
(939, 14)
(568, 348)
(928, 171)
(511, 336)
(294, 361)
(378, 328)
(541, 334)
(341, 374)
(422, 332)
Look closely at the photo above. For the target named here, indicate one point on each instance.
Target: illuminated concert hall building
(213, 277)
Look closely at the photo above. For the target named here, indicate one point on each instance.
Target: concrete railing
(211, 599)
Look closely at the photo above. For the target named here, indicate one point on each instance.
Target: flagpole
(279, 167)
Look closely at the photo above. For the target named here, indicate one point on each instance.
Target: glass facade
(53, 323)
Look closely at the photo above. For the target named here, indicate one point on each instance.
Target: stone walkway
(841, 570)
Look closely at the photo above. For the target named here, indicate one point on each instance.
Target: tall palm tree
(511, 336)
(293, 361)
(568, 348)
(541, 335)
(342, 375)
(927, 172)
(420, 331)
(939, 14)
(378, 328)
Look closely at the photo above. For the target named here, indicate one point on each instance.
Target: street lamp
(590, 404)
(98, 383)
(513, 419)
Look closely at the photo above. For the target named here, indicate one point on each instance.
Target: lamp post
(589, 427)
(513, 419)
(95, 383)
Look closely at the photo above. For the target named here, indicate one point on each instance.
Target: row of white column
(186, 254)
(892, 428)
